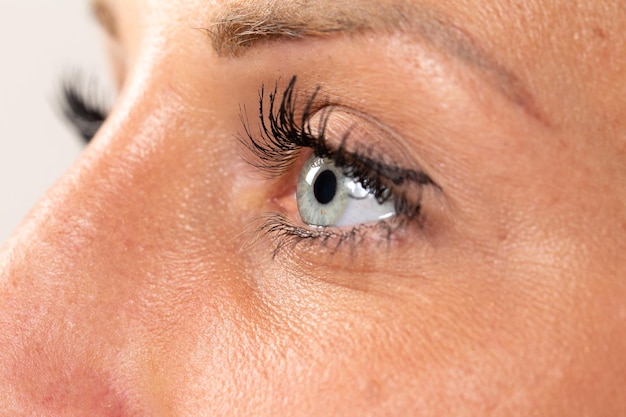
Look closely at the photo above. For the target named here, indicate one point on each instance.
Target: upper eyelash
(282, 136)
(81, 107)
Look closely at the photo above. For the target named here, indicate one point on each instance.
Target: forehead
(548, 45)
(528, 19)
(558, 26)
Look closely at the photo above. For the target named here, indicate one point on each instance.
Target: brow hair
(239, 25)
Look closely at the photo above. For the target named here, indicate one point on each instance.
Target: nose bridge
(122, 190)
(110, 252)
(128, 253)
(149, 192)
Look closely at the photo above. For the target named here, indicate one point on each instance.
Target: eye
(357, 178)
(326, 196)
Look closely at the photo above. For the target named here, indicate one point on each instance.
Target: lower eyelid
(284, 233)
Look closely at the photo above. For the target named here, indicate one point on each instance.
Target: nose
(111, 274)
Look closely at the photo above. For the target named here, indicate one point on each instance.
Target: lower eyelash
(81, 106)
(286, 234)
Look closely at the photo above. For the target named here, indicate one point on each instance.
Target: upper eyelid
(275, 155)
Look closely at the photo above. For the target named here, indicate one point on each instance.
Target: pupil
(325, 187)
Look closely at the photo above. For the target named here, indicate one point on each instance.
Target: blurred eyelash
(82, 106)
(281, 137)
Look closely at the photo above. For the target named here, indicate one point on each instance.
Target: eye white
(327, 197)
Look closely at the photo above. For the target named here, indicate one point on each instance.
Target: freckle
(372, 391)
(598, 32)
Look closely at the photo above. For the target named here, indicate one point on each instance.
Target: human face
(152, 281)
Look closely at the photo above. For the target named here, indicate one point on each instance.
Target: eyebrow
(238, 26)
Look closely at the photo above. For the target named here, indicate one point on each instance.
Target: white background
(40, 41)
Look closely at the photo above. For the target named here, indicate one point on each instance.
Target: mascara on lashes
(81, 106)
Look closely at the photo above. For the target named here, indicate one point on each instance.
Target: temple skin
(140, 284)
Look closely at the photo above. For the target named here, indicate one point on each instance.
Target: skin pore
(143, 285)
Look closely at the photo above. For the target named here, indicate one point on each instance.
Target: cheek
(472, 343)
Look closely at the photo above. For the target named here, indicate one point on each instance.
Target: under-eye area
(346, 176)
